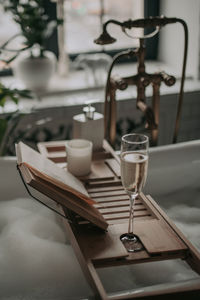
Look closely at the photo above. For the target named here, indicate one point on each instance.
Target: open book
(57, 183)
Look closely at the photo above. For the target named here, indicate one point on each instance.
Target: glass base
(131, 242)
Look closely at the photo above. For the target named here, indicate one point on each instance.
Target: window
(83, 23)
(84, 20)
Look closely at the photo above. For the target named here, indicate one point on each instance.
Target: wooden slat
(157, 237)
(98, 170)
(121, 209)
(101, 155)
(125, 221)
(114, 165)
(56, 149)
(105, 188)
(108, 194)
(125, 215)
(114, 210)
(103, 183)
(44, 147)
(108, 148)
(111, 199)
(114, 204)
(117, 199)
(102, 245)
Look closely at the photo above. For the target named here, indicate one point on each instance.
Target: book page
(49, 171)
(69, 201)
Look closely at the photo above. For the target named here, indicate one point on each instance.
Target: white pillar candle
(79, 156)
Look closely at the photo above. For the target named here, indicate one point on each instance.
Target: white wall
(172, 37)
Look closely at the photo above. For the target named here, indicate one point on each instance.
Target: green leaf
(15, 99)
(13, 94)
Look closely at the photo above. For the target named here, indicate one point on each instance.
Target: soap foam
(35, 261)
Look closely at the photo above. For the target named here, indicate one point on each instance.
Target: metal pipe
(180, 99)
(109, 94)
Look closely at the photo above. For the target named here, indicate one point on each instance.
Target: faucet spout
(149, 115)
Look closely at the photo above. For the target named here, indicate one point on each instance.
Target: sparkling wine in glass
(134, 166)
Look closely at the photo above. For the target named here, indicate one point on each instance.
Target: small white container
(89, 125)
(79, 156)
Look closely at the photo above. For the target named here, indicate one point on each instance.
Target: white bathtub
(174, 182)
(36, 261)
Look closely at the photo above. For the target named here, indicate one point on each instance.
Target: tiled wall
(55, 123)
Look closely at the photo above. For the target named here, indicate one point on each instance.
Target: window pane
(83, 23)
(8, 28)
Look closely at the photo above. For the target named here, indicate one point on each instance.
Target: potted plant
(37, 64)
(9, 121)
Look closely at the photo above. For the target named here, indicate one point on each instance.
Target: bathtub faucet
(141, 79)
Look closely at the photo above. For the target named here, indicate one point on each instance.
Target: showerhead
(157, 22)
(104, 39)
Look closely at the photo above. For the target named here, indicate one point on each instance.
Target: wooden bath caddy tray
(95, 248)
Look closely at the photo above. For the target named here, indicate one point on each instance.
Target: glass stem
(131, 216)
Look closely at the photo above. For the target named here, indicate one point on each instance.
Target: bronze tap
(141, 80)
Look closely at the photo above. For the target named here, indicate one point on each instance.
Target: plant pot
(35, 72)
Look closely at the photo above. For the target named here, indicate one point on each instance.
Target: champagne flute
(134, 165)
